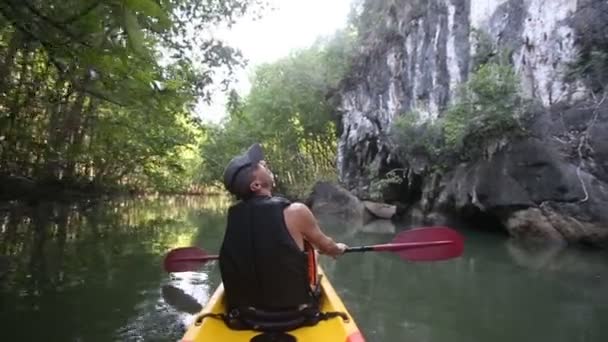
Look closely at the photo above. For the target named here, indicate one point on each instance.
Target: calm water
(93, 273)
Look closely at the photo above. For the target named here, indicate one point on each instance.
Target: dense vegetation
(101, 92)
(289, 111)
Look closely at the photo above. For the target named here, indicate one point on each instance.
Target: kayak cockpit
(334, 329)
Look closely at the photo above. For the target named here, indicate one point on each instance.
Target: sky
(290, 25)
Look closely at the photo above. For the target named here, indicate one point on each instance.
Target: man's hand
(339, 250)
(342, 247)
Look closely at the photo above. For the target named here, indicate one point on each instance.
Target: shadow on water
(93, 273)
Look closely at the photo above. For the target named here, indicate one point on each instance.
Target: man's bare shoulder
(297, 206)
(299, 210)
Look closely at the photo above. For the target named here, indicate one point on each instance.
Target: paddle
(180, 300)
(419, 244)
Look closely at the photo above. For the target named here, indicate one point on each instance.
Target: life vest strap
(272, 321)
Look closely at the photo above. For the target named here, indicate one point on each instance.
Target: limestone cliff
(551, 184)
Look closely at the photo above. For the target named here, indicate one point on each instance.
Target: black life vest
(260, 263)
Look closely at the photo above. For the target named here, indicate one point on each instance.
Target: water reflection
(489, 294)
(92, 272)
(82, 270)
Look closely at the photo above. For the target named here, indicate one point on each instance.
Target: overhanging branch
(82, 13)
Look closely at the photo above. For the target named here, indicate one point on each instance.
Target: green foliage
(487, 111)
(412, 136)
(487, 51)
(103, 91)
(485, 48)
(288, 112)
(379, 185)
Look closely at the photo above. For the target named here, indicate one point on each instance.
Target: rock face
(534, 191)
(553, 184)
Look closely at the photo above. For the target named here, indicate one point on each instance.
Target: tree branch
(82, 13)
(53, 23)
(57, 25)
(98, 95)
(32, 36)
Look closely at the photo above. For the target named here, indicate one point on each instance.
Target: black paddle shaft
(359, 249)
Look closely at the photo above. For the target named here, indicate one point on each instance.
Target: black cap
(233, 180)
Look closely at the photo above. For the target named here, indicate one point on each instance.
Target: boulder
(532, 224)
(380, 210)
(535, 192)
(328, 199)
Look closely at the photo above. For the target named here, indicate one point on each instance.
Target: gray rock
(536, 191)
(532, 224)
(380, 210)
(327, 199)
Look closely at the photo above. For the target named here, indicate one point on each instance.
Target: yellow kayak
(331, 330)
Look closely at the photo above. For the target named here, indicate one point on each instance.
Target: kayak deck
(331, 330)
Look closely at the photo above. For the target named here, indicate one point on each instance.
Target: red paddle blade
(186, 259)
(439, 251)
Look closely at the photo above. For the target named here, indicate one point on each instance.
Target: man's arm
(301, 219)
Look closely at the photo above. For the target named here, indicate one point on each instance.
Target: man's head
(247, 174)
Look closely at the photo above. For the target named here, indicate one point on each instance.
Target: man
(263, 259)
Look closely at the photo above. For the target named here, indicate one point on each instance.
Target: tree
(103, 91)
(288, 110)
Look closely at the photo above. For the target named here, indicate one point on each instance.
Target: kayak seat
(274, 337)
(272, 321)
(277, 321)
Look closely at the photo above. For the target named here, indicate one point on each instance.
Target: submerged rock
(379, 226)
